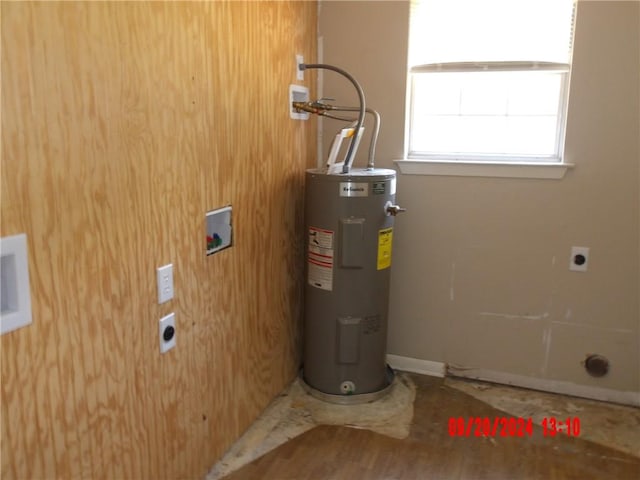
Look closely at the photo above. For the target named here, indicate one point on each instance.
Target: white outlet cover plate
(165, 283)
(574, 267)
(167, 321)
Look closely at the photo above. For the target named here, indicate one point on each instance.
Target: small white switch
(167, 332)
(165, 283)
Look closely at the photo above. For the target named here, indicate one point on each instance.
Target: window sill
(554, 171)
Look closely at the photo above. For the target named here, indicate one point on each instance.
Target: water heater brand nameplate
(354, 189)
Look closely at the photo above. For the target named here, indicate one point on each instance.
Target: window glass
(489, 78)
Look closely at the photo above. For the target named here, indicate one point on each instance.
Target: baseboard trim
(546, 385)
(415, 365)
(440, 369)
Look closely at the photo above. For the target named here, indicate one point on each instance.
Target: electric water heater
(349, 221)
(349, 216)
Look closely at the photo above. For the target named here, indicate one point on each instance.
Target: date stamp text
(511, 426)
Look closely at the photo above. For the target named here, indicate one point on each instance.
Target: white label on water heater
(320, 258)
(354, 189)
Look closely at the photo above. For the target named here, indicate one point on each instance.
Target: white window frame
(493, 165)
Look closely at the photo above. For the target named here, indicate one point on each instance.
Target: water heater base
(353, 399)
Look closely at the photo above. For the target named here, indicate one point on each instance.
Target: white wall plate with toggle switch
(165, 283)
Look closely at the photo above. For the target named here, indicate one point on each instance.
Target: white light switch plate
(165, 283)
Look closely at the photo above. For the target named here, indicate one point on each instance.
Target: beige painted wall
(480, 276)
(122, 124)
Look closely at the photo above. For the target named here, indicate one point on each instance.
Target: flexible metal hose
(322, 109)
(351, 152)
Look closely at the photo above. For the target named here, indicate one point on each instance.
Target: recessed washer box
(219, 229)
(15, 296)
(298, 93)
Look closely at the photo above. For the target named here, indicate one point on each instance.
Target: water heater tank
(349, 221)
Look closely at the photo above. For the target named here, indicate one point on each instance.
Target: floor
(296, 441)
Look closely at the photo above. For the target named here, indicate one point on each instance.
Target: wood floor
(332, 453)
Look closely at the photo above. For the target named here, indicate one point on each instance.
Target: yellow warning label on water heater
(385, 238)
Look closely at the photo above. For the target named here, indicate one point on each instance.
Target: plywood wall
(122, 124)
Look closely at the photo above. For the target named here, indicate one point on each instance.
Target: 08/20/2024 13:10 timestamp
(511, 426)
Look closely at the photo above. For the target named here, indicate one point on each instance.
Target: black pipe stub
(596, 365)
